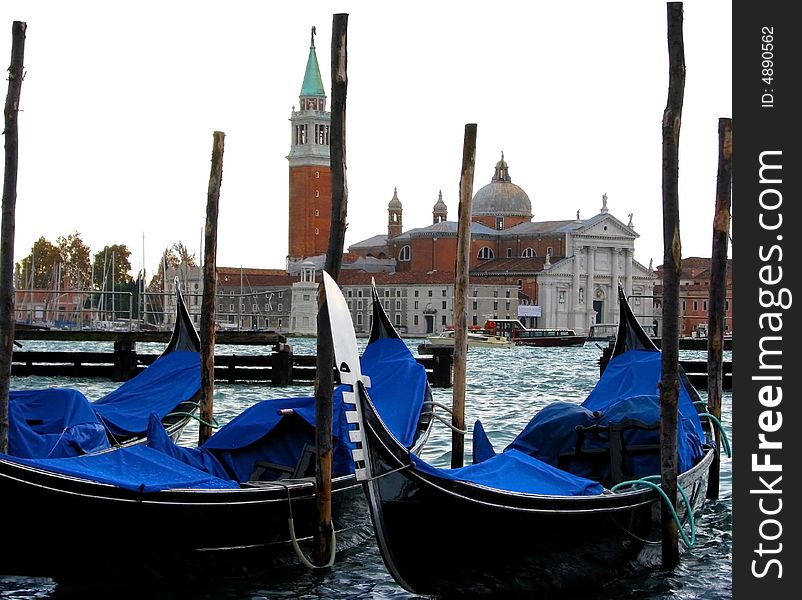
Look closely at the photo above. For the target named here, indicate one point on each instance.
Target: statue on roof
(314, 31)
(630, 220)
(604, 202)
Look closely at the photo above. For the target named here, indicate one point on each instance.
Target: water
(504, 388)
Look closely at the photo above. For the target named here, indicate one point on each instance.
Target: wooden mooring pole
(672, 263)
(324, 381)
(718, 289)
(7, 319)
(207, 328)
(461, 295)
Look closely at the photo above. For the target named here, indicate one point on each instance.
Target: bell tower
(309, 167)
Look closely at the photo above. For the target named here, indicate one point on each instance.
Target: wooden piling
(672, 262)
(11, 112)
(207, 328)
(461, 295)
(718, 289)
(324, 381)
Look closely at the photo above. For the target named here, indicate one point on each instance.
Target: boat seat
(610, 460)
(305, 467)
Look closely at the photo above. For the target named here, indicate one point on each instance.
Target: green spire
(313, 84)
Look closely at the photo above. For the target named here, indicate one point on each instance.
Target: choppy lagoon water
(505, 388)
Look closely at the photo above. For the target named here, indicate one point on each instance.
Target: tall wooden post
(718, 290)
(11, 111)
(672, 263)
(324, 382)
(208, 321)
(461, 295)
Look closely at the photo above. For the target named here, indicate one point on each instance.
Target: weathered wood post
(672, 262)
(718, 289)
(461, 295)
(208, 321)
(11, 111)
(324, 381)
(281, 365)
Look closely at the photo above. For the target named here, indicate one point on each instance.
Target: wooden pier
(277, 366)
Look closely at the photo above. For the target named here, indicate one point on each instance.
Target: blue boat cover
(514, 471)
(259, 433)
(637, 373)
(53, 422)
(137, 468)
(388, 361)
(626, 391)
(169, 380)
(262, 433)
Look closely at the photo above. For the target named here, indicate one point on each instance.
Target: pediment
(605, 226)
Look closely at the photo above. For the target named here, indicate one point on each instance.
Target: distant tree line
(68, 264)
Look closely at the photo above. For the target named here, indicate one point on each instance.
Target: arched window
(405, 254)
(486, 253)
(528, 253)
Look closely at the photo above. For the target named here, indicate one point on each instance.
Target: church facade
(549, 273)
(565, 272)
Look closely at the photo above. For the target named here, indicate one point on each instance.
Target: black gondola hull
(447, 538)
(63, 527)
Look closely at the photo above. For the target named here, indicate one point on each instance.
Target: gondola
(242, 504)
(570, 505)
(57, 422)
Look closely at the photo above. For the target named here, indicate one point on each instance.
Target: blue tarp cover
(136, 468)
(258, 433)
(388, 361)
(52, 422)
(158, 389)
(637, 373)
(514, 471)
(626, 390)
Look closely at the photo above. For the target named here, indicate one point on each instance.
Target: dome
(501, 197)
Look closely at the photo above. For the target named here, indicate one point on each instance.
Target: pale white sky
(120, 102)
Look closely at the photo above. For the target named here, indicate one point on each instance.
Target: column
(590, 287)
(576, 308)
(614, 274)
(628, 271)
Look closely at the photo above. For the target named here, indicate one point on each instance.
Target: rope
(689, 542)
(443, 420)
(63, 431)
(179, 413)
(295, 546)
(724, 439)
(294, 539)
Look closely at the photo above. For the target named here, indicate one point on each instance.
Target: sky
(120, 103)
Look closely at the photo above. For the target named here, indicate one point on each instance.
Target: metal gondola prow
(346, 356)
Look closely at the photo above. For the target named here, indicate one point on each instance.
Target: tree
(112, 268)
(172, 257)
(76, 268)
(37, 270)
(110, 273)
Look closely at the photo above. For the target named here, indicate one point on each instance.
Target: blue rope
(689, 542)
(724, 439)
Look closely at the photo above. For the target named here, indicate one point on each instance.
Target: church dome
(501, 197)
